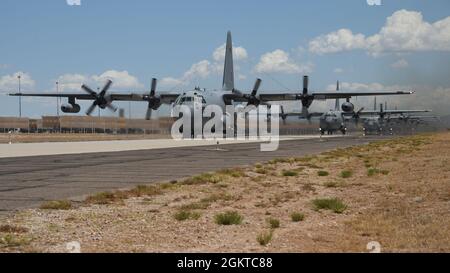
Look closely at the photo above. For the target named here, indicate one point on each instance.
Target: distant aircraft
(336, 119)
(228, 95)
(379, 122)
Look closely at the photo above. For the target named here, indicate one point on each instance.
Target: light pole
(20, 98)
(57, 99)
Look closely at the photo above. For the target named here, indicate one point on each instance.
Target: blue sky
(50, 40)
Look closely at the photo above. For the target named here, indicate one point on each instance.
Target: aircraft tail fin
(337, 103)
(228, 70)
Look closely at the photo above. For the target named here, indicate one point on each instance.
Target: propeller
(305, 98)
(283, 115)
(252, 99)
(382, 112)
(154, 102)
(100, 99)
(357, 115)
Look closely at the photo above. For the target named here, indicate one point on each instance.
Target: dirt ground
(44, 137)
(394, 194)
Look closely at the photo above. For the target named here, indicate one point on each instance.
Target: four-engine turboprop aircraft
(336, 119)
(229, 95)
(378, 121)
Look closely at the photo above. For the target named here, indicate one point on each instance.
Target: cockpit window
(189, 99)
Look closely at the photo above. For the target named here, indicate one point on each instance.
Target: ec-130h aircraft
(229, 95)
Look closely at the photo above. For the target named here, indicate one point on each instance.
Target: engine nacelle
(348, 107)
(70, 108)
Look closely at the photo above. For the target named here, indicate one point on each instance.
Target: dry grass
(56, 205)
(333, 204)
(12, 229)
(297, 217)
(228, 218)
(264, 238)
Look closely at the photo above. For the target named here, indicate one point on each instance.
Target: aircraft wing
(165, 98)
(325, 95)
(60, 95)
(346, 95)
(392, 112)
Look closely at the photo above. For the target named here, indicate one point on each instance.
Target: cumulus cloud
(404, 31)
(239, 53)
(279, 61)
(10, 83)
(121, 80)
(169, 81)
(402, 63)
(205, 68)
(201, 69)
(71, 81)
(340, 40)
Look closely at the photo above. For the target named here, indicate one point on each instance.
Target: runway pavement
(28, 181)
(61, 148)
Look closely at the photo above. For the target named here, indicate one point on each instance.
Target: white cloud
(338, 70)
(204, 68)
(201, 70)
(3, 66)
(341, 40)
(279, 61)
(121, 80)
(169, 81)
(71, 81)
(10, 83)
(242, 77)
(404, 31)
(239, 53)
(402, 63)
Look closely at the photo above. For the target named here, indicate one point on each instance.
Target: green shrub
(322, 173)
(265, 237)
(346, 174)
(273, 223)
(333, 204)
(289, 173)
(297, 217)
(183, 215)
(228, 218)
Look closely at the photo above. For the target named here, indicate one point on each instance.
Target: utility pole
(57, 99)
(20, 97)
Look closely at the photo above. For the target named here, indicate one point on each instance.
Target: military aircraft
(332, 120)
(379, 122)
(197, 97)
(336, 119)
